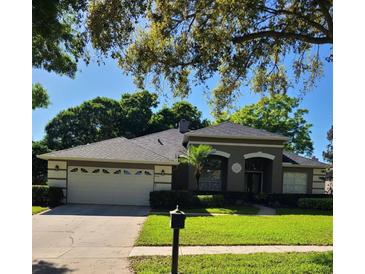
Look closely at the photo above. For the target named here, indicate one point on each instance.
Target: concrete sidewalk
(247, 249)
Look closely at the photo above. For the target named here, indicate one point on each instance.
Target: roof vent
(183, 126)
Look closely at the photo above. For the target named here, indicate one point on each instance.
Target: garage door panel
(109, 188)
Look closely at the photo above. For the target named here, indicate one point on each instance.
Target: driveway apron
(85, 238)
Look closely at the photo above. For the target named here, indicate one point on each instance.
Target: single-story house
(124, 171)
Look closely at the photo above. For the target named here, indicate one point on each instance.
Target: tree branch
(283, 35)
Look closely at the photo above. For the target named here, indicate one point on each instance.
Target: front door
(253, 182)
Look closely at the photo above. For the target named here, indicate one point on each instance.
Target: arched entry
(258, 172)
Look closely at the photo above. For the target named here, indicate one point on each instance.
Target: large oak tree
(243, 41)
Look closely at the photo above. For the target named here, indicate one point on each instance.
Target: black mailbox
(177, 219)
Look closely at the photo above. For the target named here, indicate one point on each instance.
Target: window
(105, 171)
(74, 170)
(254, 164)
(139, 172)
(147, 173)
(126, 172)
(96, 170)
(211, 178)
(117, 172)
(295, 182)
(83, 170)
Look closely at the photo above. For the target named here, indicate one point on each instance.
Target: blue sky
(108, 80)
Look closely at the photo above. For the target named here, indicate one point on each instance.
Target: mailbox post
(177, 222)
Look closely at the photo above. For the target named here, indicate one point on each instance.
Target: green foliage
(328, 153)
(103, 118)
(170, 199)
(190, 41)
(170, 117)
(43, 195)
(39, 167)
(40, 195)
(268, 263)
(55, 196)
(58, 41)
(316, 203)
(290, 199)
(92, 121)
(40, 98)
(279, 113)
(196, 157)
(210, 200)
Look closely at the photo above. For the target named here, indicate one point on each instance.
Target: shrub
(55, 196)
(169, 199)
(40, 195)
(46, 196)
(290, 199)
(216, 200)
(316, 203)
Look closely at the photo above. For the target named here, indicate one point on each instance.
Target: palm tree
(196, 157)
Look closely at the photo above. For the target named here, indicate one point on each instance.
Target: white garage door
(115, 186)
(295, 182)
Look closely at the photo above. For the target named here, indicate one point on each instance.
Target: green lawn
(303, 211)
(265, 263)
(239, 209)
(38, 209)
(240, 230)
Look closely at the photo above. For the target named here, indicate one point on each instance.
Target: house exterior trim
(303, 166)
(220, 153)
(49, 158)
(239, 137)
(233, 144)
(259, 154)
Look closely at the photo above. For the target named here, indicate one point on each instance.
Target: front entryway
(254, 182)
(258, 175)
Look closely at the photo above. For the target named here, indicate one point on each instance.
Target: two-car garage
(102, 185)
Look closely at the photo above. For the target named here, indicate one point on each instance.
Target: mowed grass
(265, 263)
(240, 230)
(239, 209)
(38, 209)
(303, 211)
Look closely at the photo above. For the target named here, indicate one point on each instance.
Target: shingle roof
(229, 129)
(118, 149)
(167, 143)
(292, 158)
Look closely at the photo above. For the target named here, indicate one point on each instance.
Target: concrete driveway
(85, 238)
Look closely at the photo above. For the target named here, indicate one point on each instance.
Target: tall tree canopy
(58, 40)
(40, 98)
(328, 153)
(103, 118)
(243, 41)
(92, 121)
(279, 113)
(169, 117)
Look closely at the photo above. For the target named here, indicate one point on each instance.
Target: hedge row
(289, 199)
(316, 203)
(186, 199)
(46, 196)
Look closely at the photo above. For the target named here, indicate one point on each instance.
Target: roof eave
(60, 158)
(279, 138)
(306, 166)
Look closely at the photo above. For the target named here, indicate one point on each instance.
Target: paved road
(85, 238)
